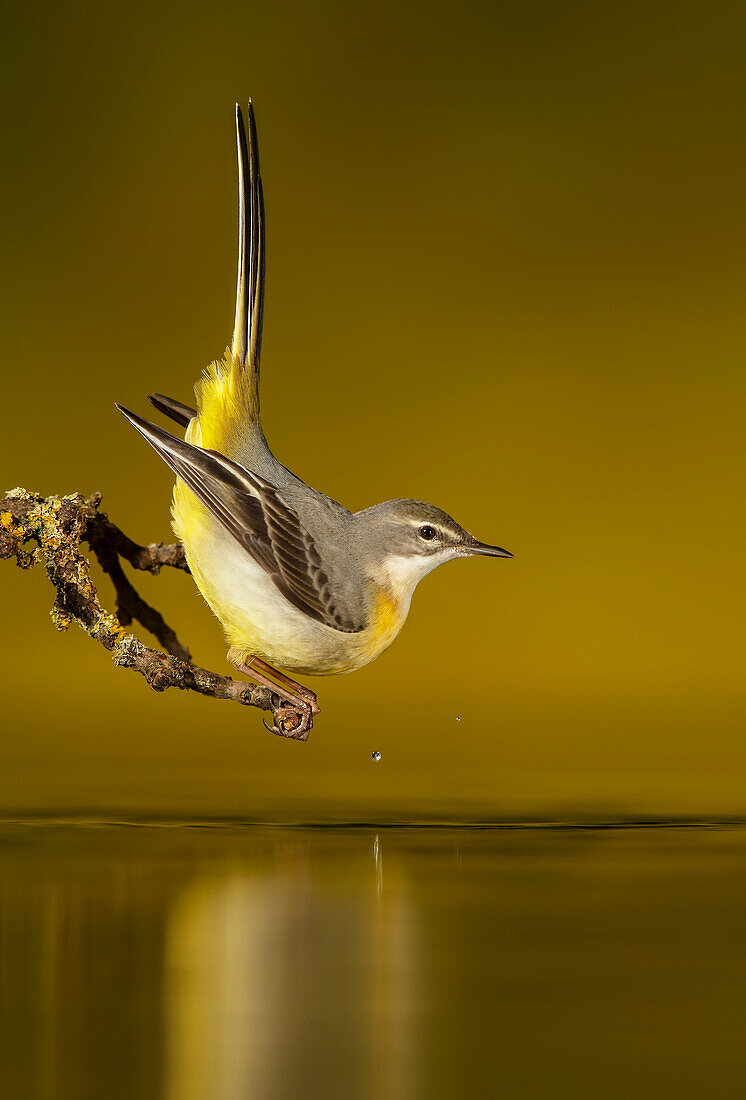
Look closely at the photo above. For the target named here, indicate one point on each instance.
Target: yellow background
(506, 273)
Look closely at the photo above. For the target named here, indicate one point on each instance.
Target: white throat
(403, 573)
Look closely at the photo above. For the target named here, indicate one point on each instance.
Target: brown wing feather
(178, 411)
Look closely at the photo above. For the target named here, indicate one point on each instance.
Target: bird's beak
(490, 551)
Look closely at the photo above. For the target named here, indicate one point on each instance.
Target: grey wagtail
(295, 578)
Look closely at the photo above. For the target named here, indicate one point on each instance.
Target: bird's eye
(427, 532)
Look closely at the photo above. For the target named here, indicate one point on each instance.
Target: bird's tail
(228, 392)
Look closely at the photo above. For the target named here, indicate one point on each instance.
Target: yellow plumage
(228, 404)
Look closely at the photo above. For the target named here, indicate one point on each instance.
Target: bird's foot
(293, 706)
(305, 695)
(294, 720)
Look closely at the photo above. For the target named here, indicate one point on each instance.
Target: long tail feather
(247, 329)
(228, 393)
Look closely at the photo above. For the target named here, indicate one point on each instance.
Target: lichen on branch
(50, 531)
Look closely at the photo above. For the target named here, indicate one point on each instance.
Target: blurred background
(506, 270)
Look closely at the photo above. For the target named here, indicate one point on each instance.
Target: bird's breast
(259, 621)
(387, 616)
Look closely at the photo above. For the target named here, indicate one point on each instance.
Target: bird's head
(407, 539)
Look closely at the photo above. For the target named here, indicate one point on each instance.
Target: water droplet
(376, 755)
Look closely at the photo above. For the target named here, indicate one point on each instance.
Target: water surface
(222, 963)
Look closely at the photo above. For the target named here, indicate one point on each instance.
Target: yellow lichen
(111, 624)
(13, 529)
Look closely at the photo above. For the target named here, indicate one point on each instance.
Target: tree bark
(50, 530)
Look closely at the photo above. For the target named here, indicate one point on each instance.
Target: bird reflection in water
(292, 957)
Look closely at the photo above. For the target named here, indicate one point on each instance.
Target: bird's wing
(253, 511)
(182, 414)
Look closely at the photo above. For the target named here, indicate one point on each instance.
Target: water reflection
(270, 969)
(218, 964)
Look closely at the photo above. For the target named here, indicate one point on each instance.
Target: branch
(58, 526)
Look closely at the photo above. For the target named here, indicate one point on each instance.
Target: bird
(299, 583)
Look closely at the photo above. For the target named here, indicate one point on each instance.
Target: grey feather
(260, 519)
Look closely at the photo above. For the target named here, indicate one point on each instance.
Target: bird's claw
(307, 696)
(293, 720)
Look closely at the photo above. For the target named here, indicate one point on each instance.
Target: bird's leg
(295, 696)
(298, 691)
(293, 717)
